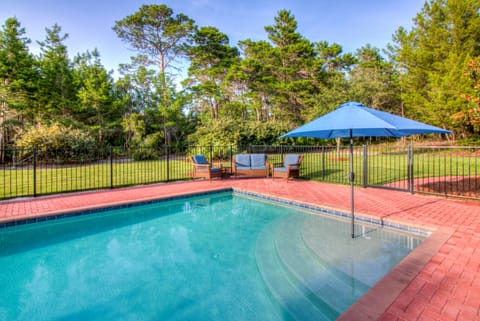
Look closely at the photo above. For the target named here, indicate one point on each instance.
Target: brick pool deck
(438, 281)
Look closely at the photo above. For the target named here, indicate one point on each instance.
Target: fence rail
(448, 171)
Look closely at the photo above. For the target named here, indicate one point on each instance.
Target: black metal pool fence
(448, 171)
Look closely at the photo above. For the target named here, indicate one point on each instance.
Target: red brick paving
(447, 286)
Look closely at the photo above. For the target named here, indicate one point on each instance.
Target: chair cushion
(257, 160)
(280, 169)
(259, 167)
(215, 169)
(291, 159)
(243, 168)
(242, 160)
(200, 159)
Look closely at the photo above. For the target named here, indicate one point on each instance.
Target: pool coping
(72, 212)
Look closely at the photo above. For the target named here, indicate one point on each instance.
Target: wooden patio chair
(204, 169)
(289, 168)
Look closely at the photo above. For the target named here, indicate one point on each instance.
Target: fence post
(111, 166)
(365, 166)
(410, 170)
(167, 153)
(323, 163)
(34, 172)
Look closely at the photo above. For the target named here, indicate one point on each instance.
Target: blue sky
(350, 23)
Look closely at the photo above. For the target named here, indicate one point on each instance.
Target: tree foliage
(211, 57)
(374, 81)
(248, 93)
(432, 58)
(156, 34)
(56, 95)
(54, 136)
(468, 119)
(18, 77)
(97, 110)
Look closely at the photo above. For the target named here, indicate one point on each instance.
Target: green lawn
(19, 182)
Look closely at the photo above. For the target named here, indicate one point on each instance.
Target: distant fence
(447, 171)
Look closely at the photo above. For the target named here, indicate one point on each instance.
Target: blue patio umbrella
(353, 119)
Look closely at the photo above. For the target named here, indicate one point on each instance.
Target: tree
(328, 76)
(468, 119)
(137, 85)
(160, 109)
(157, 35)
(56, 93)
(295, 56)
(432, 58)
(17, 80)
(374, 82)
(97, 109)
(210, 60)
(134, 128)
(170, 107)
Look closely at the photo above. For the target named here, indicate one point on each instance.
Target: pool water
(212, 257)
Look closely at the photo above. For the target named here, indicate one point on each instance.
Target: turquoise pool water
(211, 257)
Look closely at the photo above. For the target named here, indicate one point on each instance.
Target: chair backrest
(258, 160)
(242, 160)
(291, 159)
(199, 159)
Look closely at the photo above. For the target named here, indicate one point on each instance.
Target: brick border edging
(380, 297)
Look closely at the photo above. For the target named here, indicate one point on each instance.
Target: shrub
(47, 138)
(227, 132)
(144, 153)
(263, 133)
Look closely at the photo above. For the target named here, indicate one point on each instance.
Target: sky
(88, 23)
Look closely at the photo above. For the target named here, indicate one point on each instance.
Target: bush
(217, 132)
(262, 133)
(144, 153)
(54, 136)
(227, 132)
(48, 138)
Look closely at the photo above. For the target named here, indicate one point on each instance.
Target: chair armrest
(297, 164)
(202, 165)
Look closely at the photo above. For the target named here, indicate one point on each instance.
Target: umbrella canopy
(355, 120)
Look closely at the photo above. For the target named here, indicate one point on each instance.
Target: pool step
(361, 271)
(329, 288)
(286, 292)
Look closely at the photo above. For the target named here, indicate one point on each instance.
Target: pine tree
(374, 82)
(97, 109)
(433, 57)
(294, 62)
(211, 57)
(56, 91)
(17, 80)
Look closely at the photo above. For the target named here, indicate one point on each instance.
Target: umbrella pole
(352, 179)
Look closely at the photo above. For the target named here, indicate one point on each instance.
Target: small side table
(226, 171)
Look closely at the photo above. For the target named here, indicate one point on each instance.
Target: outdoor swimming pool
(221, 256)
